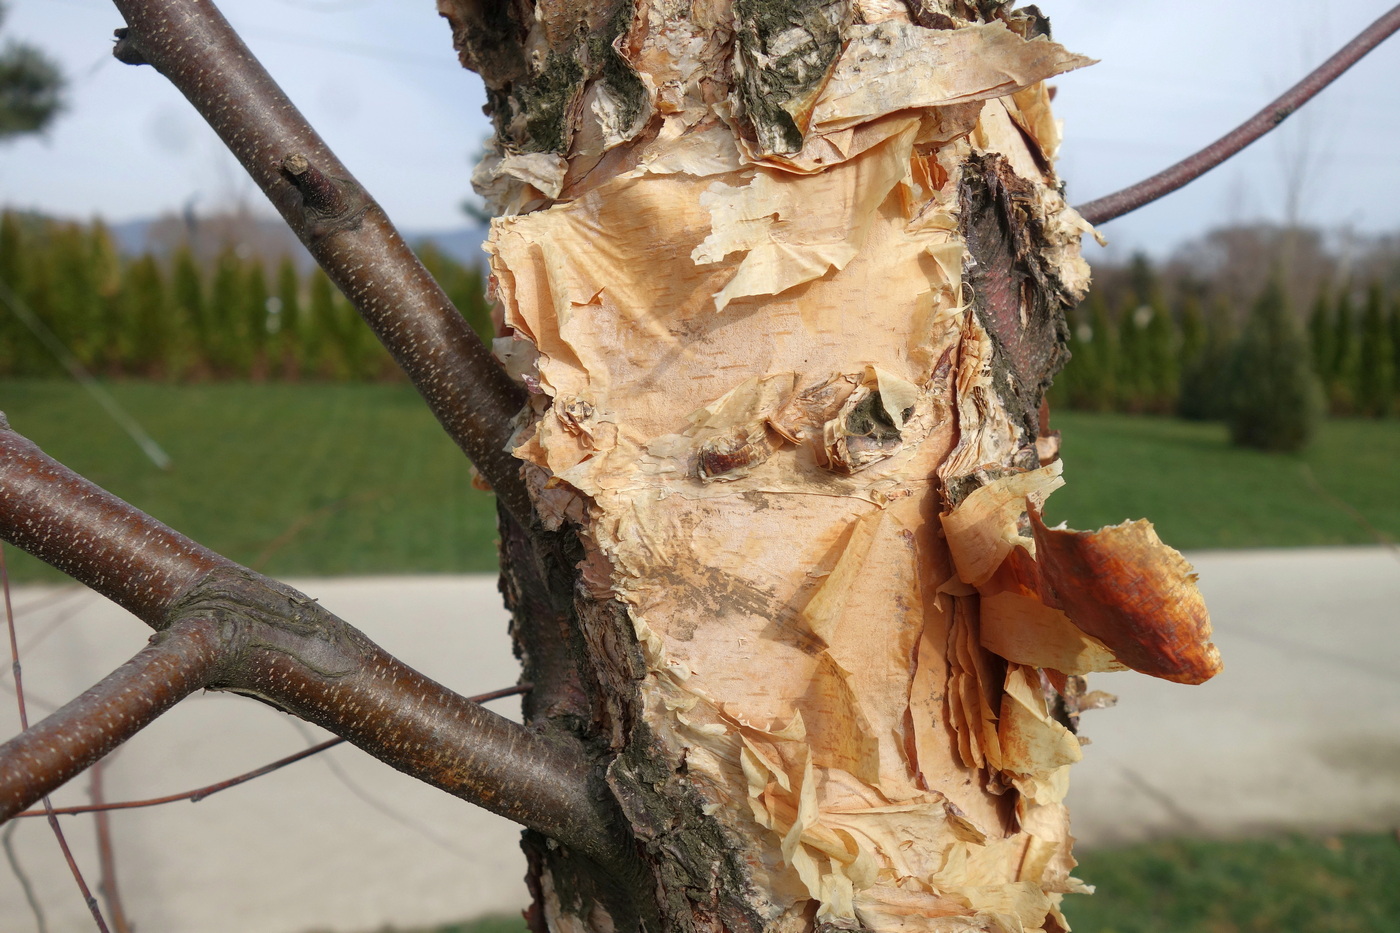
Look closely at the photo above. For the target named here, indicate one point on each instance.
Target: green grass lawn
(309, 480)
(356, 479)
(1202, 493)
(1340, 884)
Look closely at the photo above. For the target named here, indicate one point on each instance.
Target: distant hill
(268, 236)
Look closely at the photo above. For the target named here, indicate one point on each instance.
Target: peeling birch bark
(786, 282)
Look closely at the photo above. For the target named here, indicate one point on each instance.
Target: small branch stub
(126, 50)
(327, 204)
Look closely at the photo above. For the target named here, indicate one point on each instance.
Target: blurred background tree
(31, 88)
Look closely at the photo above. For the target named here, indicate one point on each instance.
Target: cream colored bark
(765, 392)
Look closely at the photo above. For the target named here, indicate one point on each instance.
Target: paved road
(1302, 730)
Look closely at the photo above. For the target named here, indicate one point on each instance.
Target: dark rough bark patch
(1016, 293)
(687, 870)
(700, 872)
(532, 105)
(544, 635)
(489, 37)
(777, 75)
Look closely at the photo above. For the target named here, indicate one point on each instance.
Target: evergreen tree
(1275, 401)
(1341, 390)
(1320, 336)
(104, 276)
(31, 89)
(1395, 352)
(1161, 367)
(289, 324)
(1204, 391)
(1101, 390)
(227, 350)
(365, 359)
(1192, 347)
(70, 304)
(146, 310)
(1193, 332)
(190, 314)
(323, 341)
(43, 297)
(1375, 374)
(1133, 378)
(11, 264)
(255, 319)
(1142, 279)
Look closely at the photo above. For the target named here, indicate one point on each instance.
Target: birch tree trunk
(786, 280)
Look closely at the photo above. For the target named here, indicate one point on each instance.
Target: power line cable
(80, 374)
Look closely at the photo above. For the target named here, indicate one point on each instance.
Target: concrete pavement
(1301, 731)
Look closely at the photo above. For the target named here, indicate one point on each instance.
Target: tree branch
(280, 646)
(176, 663)
(190, 43)
(1114, 205)
(91, 535)
(209, 790)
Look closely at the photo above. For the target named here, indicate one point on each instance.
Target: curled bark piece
(1138, 596)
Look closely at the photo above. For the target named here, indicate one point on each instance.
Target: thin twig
(1106, 208)
(24, 724)
(106, 852)
(377, 801)
(7, 841)
(88, 899)
(194, 796)
(199, 793)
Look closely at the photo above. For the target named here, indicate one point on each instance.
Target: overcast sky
(380, 80)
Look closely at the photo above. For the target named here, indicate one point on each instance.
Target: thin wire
(84, 378)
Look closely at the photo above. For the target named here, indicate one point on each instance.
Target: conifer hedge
(175, 318)
(243, 317)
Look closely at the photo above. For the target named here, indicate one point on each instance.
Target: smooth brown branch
(209, 790)
(91, 535)
(52, 752)
(297, 656)
(1114, 205)
(191, 43)
(282, 647)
